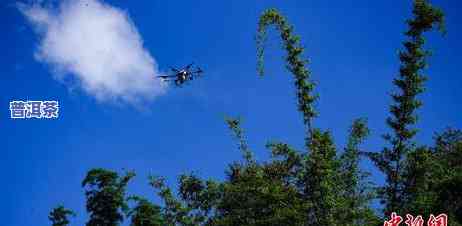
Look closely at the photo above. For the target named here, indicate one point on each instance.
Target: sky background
(352, 47)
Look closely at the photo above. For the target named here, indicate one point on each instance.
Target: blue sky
(352, 47)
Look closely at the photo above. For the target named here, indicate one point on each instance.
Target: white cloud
(98, 47)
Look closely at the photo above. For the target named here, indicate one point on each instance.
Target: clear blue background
(352, 46)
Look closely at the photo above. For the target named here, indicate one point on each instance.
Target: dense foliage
(321, 185)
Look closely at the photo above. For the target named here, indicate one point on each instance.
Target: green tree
(356, 190)
(295, 63)
(59, 216)
(319, 175)
(105, 192)
(434, 177)
(144, 213)
(253, 194)
(403, 112)
(257, 193)
(448, 174)
(175, 211)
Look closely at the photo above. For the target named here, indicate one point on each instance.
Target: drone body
(181, 76)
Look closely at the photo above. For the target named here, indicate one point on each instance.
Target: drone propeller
(166, 76)
(189, 66)
(198, 71)
(174, 69)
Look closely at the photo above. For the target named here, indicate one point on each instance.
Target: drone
(179, 77)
